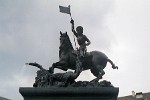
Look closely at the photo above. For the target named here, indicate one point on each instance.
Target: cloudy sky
(29, 32)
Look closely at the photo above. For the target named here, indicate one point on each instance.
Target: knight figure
(82, 40)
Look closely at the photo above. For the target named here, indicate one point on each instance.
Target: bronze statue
(77, 60)
(95, 61)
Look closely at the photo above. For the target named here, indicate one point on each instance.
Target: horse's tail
(113, 65)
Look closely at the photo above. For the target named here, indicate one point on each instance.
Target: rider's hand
(72, 21)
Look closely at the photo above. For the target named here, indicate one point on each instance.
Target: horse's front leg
(60, 65)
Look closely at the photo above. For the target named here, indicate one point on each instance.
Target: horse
(96, 61)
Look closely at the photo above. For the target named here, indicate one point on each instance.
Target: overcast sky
(29, 32)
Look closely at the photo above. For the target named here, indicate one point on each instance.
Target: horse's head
(63, 38)
(65, 41)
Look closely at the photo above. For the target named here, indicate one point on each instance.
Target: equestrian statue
(76, 59)
(96, 61)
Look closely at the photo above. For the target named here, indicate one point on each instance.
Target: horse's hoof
(116, 67)
(51, 70)
(94, 81)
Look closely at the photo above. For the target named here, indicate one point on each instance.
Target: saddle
(87, 56)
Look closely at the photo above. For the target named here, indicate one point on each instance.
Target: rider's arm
(73, 30)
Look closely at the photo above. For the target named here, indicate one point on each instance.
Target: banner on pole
(65, 9)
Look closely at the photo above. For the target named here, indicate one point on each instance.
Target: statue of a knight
(82, 40)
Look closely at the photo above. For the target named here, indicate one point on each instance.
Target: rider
(82, 40)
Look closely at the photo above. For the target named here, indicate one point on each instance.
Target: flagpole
(73, 34)
(70, 12)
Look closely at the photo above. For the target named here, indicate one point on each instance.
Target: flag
(65, 9)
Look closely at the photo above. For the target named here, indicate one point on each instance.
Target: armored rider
(82, 40)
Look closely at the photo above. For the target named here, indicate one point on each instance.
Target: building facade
(136, 96)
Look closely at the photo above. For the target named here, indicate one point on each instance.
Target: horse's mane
(67, 45)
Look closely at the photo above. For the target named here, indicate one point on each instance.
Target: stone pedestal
(69, 93)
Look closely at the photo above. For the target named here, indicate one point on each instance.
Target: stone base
(69, 93)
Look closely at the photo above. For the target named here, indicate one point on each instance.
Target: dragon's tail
(35, 64)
